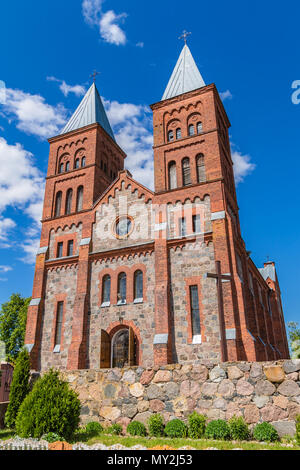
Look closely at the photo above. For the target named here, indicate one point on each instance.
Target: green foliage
(217, 429)
(265, 432)
(93, 428)
(115, 429)
(50, 407)
(156, 425)
(52, 437)
(294, 336)
(176, 428)
(19, 388)
(13, 316)
(298, 429)
(196, 425)
(239, 429)
(135, 428)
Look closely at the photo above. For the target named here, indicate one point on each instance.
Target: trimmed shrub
(239, 429)
(115, 429)
(135, 428)
(52, 437)
(217, 429)
(176, 428)
(265, 432)
(19, 388)
(50, 407)
(93, 428)
(196, 425)
(298, 429)
(156, 425)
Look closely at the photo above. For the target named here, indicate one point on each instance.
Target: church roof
(268, 271)
(90, 111)
(185, 77)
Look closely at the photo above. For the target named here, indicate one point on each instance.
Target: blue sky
(249, 49)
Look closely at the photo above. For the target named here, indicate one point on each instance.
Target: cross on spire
(94, 75)
(184, 35)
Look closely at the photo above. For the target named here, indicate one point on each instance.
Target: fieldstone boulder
(293, 376)
(251, 414)
(190, 388)
(153, 391)
(291, 366)
(281, 401)
(162, 376)
(171, 390)
(199, 373)
(293, 410)
(274, 374)
(273, 413)
(129, 410)
(146, 377)
(226, 388)
(209, 389)
(114, 375)
(143, 405)
(220, 404)
(110, 391)
(264, 387)
(156, 405)
(137, 390)
(289, 388)
(233, 410)
(234, 373)
(110, 413)
(260, 401)
(123, 421)
(285, 428)
(143, 417)
(244, 388)
(129, 376)
(256, 371)
(217, 374)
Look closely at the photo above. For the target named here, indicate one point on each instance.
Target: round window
(123, 227)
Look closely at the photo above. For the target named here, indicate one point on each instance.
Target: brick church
(129, 276)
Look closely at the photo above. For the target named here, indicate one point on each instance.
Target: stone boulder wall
(259, 392)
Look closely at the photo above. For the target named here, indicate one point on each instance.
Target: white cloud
(5, 269)
(30, 247)
(34, 116)
(242, 166)
(140, 44)
(66, 89)
(225, 95)
(108, 22)
(6, 226)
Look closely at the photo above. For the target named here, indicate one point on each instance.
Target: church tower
(84, 160)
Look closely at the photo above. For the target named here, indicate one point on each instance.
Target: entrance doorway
(119, 350)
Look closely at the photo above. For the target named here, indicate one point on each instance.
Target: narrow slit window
(79, 203)
(199, 127)
(186, 172)
(172, 176)
(195, 314)
(60, 246)
(77, 163)
(170, 136)
(191, 129)
(122, 288)
(196, 223)
(61, 168)
(106, 290)
(178, 133)
(70, 248)
(69, 201)
(201, 175)
(83, 162)
(182, 227)
(58, 204)
(59, 321)
(138, 286)
(68, 166)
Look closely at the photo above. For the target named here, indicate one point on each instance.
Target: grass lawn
(6, 434)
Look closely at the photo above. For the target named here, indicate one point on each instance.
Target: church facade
(128, 276)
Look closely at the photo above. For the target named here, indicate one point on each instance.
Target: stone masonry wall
(259, 392)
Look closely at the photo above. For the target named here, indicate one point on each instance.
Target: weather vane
(184, 35)
(94, 75)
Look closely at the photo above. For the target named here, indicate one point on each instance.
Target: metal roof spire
(186, 76)
(89, 111)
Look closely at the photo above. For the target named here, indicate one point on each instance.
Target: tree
(294, 336)
(13, 316)
(19, 387)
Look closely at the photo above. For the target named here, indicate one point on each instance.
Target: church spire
(89, 111)
(185, 77)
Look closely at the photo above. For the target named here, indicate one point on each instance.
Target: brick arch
(114, 327)
(81, 152)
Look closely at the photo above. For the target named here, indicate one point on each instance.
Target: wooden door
(105, 350)
(131, 352)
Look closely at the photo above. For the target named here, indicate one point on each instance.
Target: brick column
(77, 354)
(35, 310)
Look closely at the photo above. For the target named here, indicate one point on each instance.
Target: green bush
(135, 428)
(298, 429)
(50, 407)
(115, 429)
(156, 425)
(196, 425)
(217, 429)
(176, 428)
(52, 437)
(265, 432)
(19, 388)
(93, 428)
(239, 429)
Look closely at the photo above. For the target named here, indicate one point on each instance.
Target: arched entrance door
(123, 348)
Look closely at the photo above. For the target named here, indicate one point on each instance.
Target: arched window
(83, 161)
(69, 201)
(186, 172)
(79, 201)
(200, 164)
(77, 163)
(178, 133)
(68, 166)
(58, 204)
(61, 168)
(138, 286)
(122, 288)
(191, 129)
(170, 136)
(199, 128)
(172, 175)
(106, 291)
